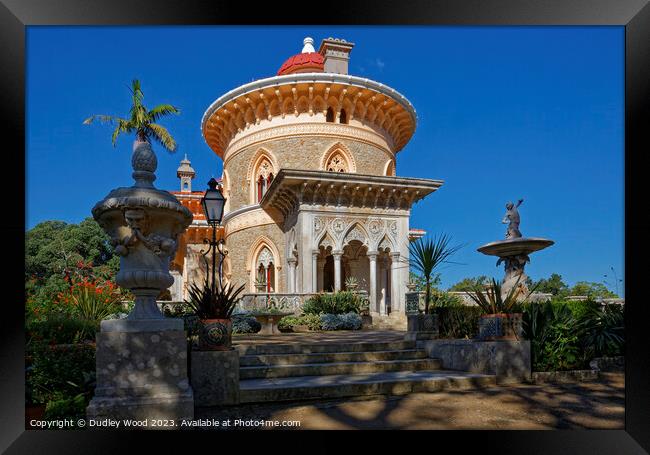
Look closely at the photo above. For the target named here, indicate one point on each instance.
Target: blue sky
(503, 113)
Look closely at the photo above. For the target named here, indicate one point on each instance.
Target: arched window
(337, 163)
(343, 117)
(263, 178)
(265, 266)
(330, 115)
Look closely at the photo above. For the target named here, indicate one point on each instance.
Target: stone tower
(309, 175)
(186, 173)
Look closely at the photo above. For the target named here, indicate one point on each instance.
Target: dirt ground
(598, 404)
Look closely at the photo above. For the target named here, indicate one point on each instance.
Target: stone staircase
(393, 321)
(289, 372)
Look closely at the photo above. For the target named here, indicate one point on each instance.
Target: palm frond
(123, 126)
(161, 110)
(160, 134)
(101, 118)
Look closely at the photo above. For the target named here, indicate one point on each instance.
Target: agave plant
(141, 121)
(217, 303)
(492, 301)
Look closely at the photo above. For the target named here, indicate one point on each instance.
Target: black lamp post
(213, 204)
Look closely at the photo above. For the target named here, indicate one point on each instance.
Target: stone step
(300, 359)
(336, 386)
(264, 349)
(321, 369)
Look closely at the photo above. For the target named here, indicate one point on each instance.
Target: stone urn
(143, 224)
(501, 326)
(141, 361)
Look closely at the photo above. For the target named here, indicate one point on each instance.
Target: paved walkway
(565, 406)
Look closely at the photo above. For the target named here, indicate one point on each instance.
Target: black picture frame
(634, 15)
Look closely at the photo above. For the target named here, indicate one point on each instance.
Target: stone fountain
(142, 359)
(514, 251)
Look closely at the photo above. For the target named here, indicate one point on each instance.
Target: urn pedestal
(142, 359)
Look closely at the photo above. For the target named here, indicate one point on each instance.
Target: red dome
(308, 62)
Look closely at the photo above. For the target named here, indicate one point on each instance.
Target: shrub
(458, 321)
(59, 328)
(66, 408)
(312, 321)
(337, 303)
(244, 323)
(59, 372)
(604, 331)
(555, 337)
(351, 321)
(348, 321)
(444, 299)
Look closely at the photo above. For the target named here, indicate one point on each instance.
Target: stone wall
(508, 360)
(239, 244)
(297, 153)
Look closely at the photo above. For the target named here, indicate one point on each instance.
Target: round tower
(309, 173)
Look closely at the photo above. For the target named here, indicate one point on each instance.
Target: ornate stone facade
(309, 174)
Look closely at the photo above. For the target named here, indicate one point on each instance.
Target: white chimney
(336, 54)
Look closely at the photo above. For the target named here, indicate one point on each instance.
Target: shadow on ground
(598, 404)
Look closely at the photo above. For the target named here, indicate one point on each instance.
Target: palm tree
(427, 255)
(141, 120)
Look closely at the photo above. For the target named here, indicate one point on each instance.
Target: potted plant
(260, 285)
(351, 283)
(425, 257)
(213, 307)
(499, 321)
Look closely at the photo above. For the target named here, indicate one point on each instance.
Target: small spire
(308, 45)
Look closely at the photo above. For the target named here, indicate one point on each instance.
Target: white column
(383, 285)
(292, 275)
(372, 257)
(314, 271)
(337, 270)
(395, 287)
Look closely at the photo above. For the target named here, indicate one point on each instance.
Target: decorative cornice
(306, 94)
(292, 188)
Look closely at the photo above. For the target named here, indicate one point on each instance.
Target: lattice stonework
(264, 169)
(265, 257)
(337, 163)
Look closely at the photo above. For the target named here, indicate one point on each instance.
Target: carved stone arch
(260, 112)
(385, 244)
(249, 116)
(356, 231)
(303, 105)
(225, 183)
(274, 107)
(257, 159)
(288, 107)
(339, 148)
(389, 168)
(319, 105)
(326, 240)
(255, 249)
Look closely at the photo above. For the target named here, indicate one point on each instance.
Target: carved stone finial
(144, 163)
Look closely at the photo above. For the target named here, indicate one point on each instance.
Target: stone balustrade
(292, 302)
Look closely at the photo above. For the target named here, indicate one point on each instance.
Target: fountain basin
(515, 247)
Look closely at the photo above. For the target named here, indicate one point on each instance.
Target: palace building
(309, 173)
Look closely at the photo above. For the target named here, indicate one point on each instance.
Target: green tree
(427, 255)
(553, 285)
(469, 284)
(420, 281)
(592, 290)
(141, 120)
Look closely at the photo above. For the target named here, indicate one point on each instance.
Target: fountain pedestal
(142, 359)
(514, 253)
